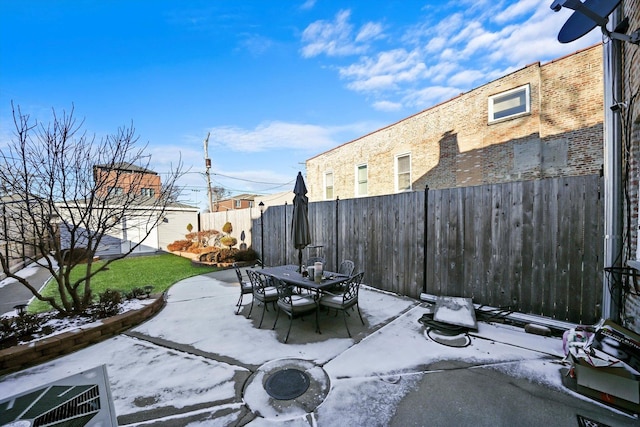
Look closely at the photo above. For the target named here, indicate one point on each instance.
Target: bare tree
(50, 178)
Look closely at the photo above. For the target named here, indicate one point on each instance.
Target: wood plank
(483, 221)
(576, 250)
(564, 248)
(470, 243)
(551, 245)
(592, 262)
(524, 302)
(516, 244)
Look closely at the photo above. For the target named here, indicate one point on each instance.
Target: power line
(239, 179)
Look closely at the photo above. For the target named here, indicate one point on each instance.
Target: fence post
(426, 234)
(285, 234)
(337, 265)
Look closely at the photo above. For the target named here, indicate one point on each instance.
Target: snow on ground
(372, 375)
(208, 301)
(141, 375)
(24, 273)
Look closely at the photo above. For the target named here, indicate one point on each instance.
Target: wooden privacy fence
(533, 246)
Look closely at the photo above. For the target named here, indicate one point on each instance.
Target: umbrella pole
(300, 260)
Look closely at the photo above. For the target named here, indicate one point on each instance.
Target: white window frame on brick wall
(328, 185)
(148, 192)
(510, 104)
(398, 173)
(362, 182)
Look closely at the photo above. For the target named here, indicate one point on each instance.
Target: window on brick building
(148, 192)
(362, 180)
(403, 172)
(512, 103)
(238, 204)
(328, 185)
(117, 191)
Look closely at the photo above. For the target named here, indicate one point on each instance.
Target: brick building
(544, 120)
(629, 169)
(126, 178)
(241, 201)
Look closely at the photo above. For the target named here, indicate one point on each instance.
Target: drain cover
(287, 384)
(449, 339)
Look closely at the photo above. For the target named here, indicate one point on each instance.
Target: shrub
(179, 246)
(108, 305)
(27, 324)
(227, 255)
(227, 227)
(135, 293)
(6, 328)
(229, 241)
(246, 255)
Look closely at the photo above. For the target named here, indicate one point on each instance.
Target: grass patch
(160, 271)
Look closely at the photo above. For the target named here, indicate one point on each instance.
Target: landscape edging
(25, 355)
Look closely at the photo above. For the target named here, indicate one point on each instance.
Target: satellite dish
(586, 17)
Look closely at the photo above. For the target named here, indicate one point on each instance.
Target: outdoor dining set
(297, 291)
(305, 288)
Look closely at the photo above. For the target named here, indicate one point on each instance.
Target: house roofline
(537, 63)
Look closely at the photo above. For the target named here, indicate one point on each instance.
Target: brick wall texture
(631, 144)
(453, 144)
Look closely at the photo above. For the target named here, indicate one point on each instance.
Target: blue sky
(275, 82)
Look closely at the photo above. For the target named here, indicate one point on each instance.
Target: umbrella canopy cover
(300, 225)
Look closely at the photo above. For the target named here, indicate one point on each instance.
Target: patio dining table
(290, 275)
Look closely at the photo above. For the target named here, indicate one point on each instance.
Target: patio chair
(343, 302)
(309, 262)
(346, 267)
(262, 292)
(245, 287)
(294, 305)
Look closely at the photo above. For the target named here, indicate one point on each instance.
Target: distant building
(126, 178)
(538, 122)
(138, 189)
(241, 201)
(276, 199)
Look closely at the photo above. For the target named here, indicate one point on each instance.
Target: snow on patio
(373, 374)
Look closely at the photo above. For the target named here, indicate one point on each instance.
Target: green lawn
(159, 271)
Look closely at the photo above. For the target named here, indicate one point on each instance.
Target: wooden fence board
(592, 270)
(534, 246)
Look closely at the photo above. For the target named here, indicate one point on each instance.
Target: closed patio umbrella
(300, 224)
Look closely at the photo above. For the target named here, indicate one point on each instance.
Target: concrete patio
(196, 363)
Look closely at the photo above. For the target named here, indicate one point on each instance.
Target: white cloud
(336, 38)
(440, 71)
(430, 96)
(517, 10)
(385, 71)
(256, 44)
(271, 135)
(445, 53)
(308, 4)
(466, 78)
(387, 106)
(278, 135)
(370, 31)
(436, 44)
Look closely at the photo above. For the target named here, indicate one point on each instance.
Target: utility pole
(207, 163)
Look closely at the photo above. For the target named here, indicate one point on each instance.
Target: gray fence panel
(534, 246)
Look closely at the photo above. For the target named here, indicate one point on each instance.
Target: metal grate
(287, 384)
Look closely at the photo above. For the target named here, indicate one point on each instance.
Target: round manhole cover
(287, 384)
